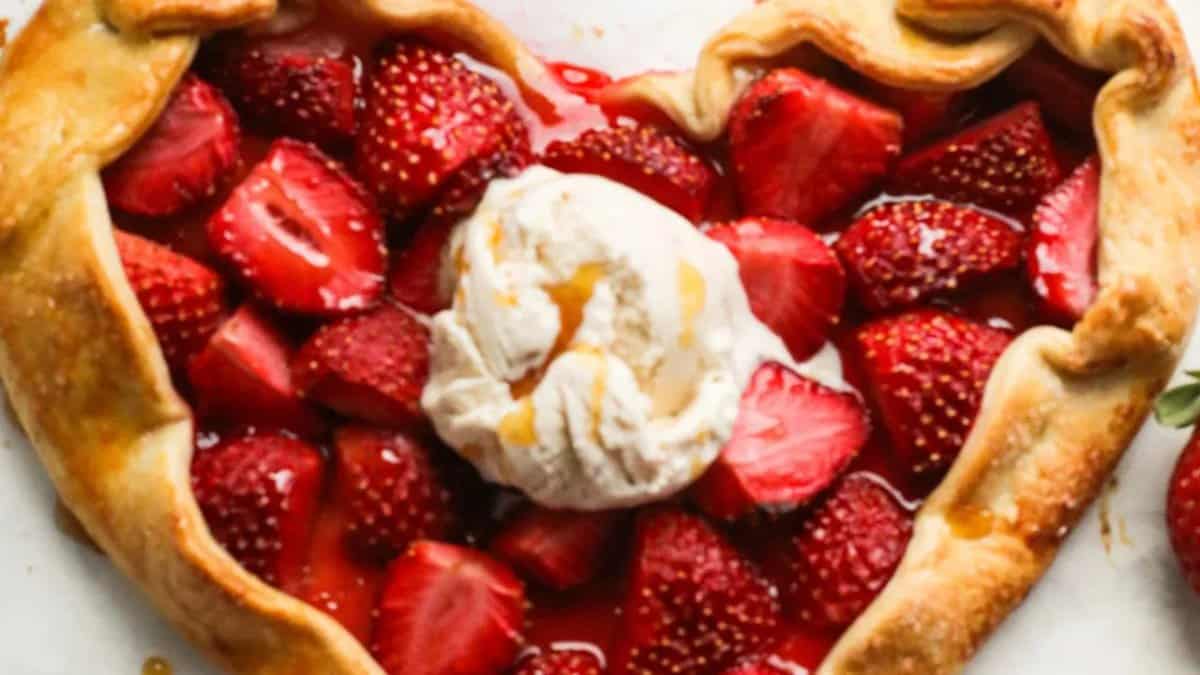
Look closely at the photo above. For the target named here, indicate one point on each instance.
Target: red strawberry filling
(941, 241)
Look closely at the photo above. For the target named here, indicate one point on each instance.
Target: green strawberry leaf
(1179, 407)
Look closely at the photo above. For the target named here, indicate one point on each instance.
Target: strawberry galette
(367, 342)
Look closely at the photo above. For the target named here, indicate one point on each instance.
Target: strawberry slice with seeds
(390, 492)
(560, 549)
(694, 604)
(336, 582)
(904, 253)
(182, 159)
(1005, 163)
(561, 662)
(843, 555)
(793, 279)
(793, 437)
(259, 495)
(926, 113)
(429, 118)
(370, 367)
(242, 377)
(183, 299)
(415, 278)
(926, 370)
(448, 610)
(653, 162)
(1066, 90)
(303, 84)
(803, 149)
(1062, 247)
(301, 233)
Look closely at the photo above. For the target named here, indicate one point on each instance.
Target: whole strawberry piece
(793, 437)
(242, 377)
(561, 662)
(303, 84)
(448, 610)
(653, 162)
(259, 493)
(1062, 247)
(794, 281)
(389, 492)
(1005, 163)
(803, 149)
(1179, 408)
(182, 159)
(183, 299)
(843, 555)
(370, 367)
(694, 604)
(1066, 90)
(904, 253)
(926, 371)
(416, 268)
(432, 125)
(560, 549)
(303, 234)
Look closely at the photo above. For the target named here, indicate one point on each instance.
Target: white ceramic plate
(1102, 610)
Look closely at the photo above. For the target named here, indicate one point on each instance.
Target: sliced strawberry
(1005, 163)
(561, 662)
(370, 367)
(416, 270)
(448, 610)
(1066, 90)
(694, 604)
(182, 159)
(390, 492)
(303, 234)
(803, 149)
(428, 118)
(653, 162)
(336, 582)
(259, 493)
(183, 299)
(303, 84)
(843, 555)
(904, 253)
(793, 279)
(926, 113)
(1062, 248)
(560, 549)
(242, 377)
(926, 370)
(792, 439)
(765, 665)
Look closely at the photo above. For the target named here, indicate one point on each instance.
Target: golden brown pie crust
(88, 382)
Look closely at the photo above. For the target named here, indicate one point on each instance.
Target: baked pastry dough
(89, 384)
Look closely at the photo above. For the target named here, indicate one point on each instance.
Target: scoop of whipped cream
(597, 346)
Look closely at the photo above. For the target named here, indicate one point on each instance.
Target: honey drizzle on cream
(692, 293)
(571, 296)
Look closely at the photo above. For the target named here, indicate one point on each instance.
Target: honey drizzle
(571, 296)
(692, 292)
(156, 665)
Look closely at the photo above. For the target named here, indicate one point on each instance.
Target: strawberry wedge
(1062, 247)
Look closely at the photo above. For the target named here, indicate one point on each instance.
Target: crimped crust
(86, 377)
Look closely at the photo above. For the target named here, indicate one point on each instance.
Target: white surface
(65, 610)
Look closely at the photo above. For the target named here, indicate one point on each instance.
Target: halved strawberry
(370, 367)
(653, 162)
(258, 493)
(428, 118)
(903, 253)
(338, 583)
(793, 437)
(242, 377)
(183, 299)
(926, 113)
(303, 234)
(793, 279)
(448, 610)
(1066, 90)
(843, 555)
(302, 84)
(561, 662)
(182, 159)
(1005, 163)
(926, 370)
(389, 492)
(1062, 247)
(803, 149)
(694, 604)
(416, 268)
(560, 549)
